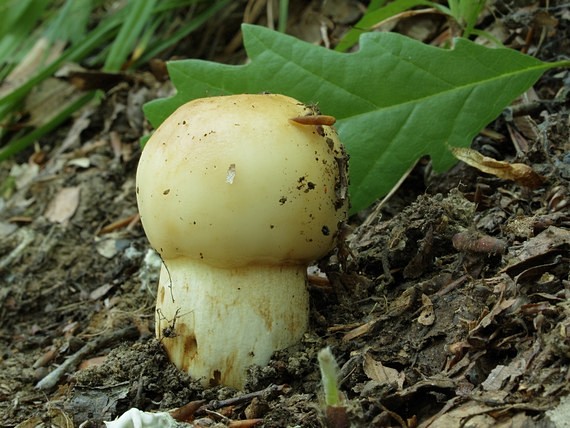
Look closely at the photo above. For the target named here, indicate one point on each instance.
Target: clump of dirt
(158, 384)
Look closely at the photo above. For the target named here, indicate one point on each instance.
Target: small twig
(218, 416)
(376, 213)
(452, 285)
(52, 379)
(186, 413)
(119, 224)
(26, 239)
(394, 415)
(219, 404)
(246, 423)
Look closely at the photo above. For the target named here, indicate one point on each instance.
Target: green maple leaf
(395, 99)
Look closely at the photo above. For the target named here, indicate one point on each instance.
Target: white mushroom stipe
(238, 199)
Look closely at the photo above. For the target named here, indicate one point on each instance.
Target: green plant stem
(283, 15)
(329, 376)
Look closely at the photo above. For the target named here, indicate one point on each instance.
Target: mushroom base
(214, 323)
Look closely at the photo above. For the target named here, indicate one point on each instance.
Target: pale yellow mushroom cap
(232, 181)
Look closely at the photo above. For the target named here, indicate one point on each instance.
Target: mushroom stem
(216, 322)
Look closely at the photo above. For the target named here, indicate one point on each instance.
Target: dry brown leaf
(57, 417)
(547, 240)
(100, 291)
(501, 374)
(43, 52)
(499, 307)
(80, 162)
(49, 99)
(24, 174)
(538, 254)
(63, 206)
(427, 316)
(520, 173)
(479, 415)
(378, 372)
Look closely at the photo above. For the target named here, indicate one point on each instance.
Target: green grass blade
(138, 14)
(25, 141)
(71, 21)
(160, 45)
(137, 23)
(96, 39)
(18, 19)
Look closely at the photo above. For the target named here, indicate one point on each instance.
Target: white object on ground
(135, 418)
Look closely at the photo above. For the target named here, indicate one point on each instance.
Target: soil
(446, 305)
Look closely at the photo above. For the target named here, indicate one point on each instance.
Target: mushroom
(238, 195)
